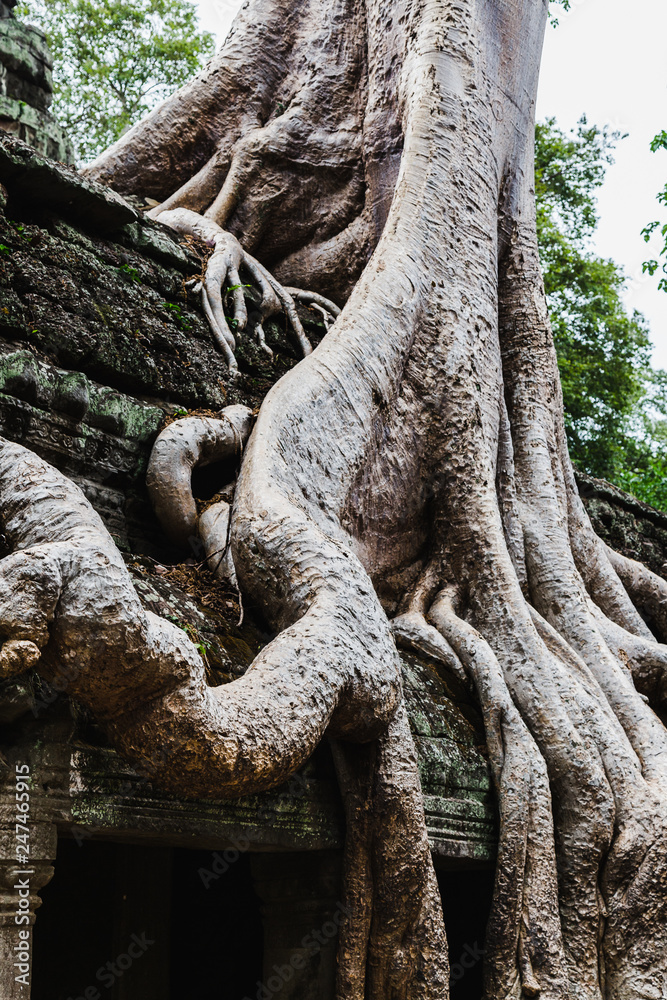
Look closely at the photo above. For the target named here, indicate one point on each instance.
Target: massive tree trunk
(407, 483)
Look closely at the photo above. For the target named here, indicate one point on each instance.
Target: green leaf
(651, 266)
(130, 273)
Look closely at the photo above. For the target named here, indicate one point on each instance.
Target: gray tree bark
(408, 483)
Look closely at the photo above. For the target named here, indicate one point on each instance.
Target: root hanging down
(223, 277)
(180, 448)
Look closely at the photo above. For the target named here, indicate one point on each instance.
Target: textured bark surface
(413, 468)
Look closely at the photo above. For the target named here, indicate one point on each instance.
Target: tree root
(17, 656)
(65, 592)
(215, 530)
(524, 936)
(180, 448)
(327, 309)
(65, 589)
(222, 271)
(647, 589)
(617, 762)
(412, 632)
(385, 950)
(426, 430)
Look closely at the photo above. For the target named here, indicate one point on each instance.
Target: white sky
(607, 59)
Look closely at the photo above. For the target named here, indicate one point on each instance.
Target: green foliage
(174, 309)
(615, 403)
(659, 142)
(115, 59)
(565, 4)
(130, 273)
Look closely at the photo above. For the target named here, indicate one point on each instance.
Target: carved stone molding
(20, 884)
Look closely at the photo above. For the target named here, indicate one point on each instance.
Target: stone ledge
(90, 791)
(23, 122)
(591, 488)
(31, 176)
(156, 241)
(73, 395)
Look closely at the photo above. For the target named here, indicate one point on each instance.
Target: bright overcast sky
(606, 60)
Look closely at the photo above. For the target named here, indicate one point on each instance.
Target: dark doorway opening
(128, 922)
(216, 927)
(466, 902)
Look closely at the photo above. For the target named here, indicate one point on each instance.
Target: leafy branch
(114, 61)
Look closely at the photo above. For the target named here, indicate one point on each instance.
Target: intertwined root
(180, 448)
(65, 590)
(525, 955)
(579, 762)
(443, 363)
(327, 309)
(223, 276)
(647, 589)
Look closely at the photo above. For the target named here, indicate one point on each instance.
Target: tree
(613, 399)
(407, 483)
(659, 142)
(114, 60)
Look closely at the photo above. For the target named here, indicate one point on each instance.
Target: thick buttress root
(396, 941)
(65, 577)
(617, 765)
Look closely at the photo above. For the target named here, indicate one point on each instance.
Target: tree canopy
(115, 59)
(614, 400)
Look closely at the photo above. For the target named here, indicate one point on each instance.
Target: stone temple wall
(26, 89)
